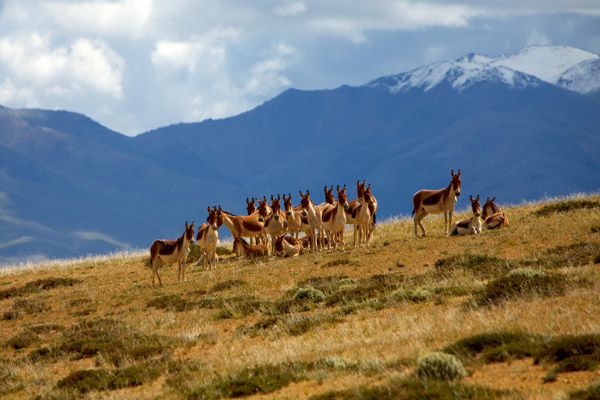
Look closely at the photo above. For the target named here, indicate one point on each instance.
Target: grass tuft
(440, 367)
(87, 380)
(37, 286)
(495, 346)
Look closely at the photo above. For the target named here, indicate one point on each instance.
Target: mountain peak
(526, 68)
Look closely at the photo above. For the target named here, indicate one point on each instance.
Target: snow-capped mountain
(568, 67)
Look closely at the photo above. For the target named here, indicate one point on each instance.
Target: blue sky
(136, 65)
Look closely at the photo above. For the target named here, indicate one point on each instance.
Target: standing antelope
(492, 216)
(436, 202)
(314, 220)
(294, 216)
(470, 225)
(276, 224)
(360, 188)
(333, 218)
(208, 237)
(246, 225)
(165, 251)
(363, 217)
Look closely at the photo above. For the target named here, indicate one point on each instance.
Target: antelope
(294, 216)
(363, 218)
(314, 220)
(276, 224)
(492, 216)
(208, 237)
(470, 225)
(246, 225)
(249, 251)
(333, 218)
(288, 246)
(165, 251)
(435, 202)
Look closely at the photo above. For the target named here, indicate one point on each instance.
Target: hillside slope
(329, 325)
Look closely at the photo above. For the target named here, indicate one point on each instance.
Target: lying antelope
(242, 247)
(314, 220)
(246, 225)
(333, 218)
(492, 216)
(470, 225)
(288, 246)
(208, 237)
(276, 224)
(436, 202)
(165, 251)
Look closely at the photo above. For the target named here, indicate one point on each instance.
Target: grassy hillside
(506, 314)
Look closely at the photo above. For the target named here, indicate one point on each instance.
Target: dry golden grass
(384, 306)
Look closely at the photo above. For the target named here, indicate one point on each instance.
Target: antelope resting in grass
(492, 216)
(165, 251)
(208, 237)
(288, 246)
(470, 225)
(242, 247)
(246, 225)
(333, 218)
(436, 202)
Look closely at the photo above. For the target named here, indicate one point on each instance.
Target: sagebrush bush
(496, 346)
(565, 206)
(312, 294)
(440, 366)
(481, 266)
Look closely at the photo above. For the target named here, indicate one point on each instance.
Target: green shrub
(171, 302)
(565, 206)
(311, 294)
(440, 367)
(573, 255)
(518, 285)
(24, 339)
(566, 346)
(83, 381)
(231, 284)
(481, 266)
(496, 346)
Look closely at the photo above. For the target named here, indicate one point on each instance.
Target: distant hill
(69, 186)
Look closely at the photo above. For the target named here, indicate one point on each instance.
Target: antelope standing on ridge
(333, 218)
(492, 216)
(436, 202)
(276, 224)
(208, 237)
(470, 225)
(165, 251)
(314, 220)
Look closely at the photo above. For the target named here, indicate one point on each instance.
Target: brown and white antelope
(165, 251)
(276, 224)
(294, 216)
(492, 216)
(470, 225)
(208, 237)
(360, 188)
(363, 218)
(242, 247)
(314, 220)
(436, 202)
(333, 217)
(288, 246)
(246, 225)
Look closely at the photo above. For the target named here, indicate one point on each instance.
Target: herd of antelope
(273, 230)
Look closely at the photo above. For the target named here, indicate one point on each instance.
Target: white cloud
(291, 9)
(76, 69)
(127, 18)
(537, 38)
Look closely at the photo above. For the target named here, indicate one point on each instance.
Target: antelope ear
(209, 210)
(300, 191)
(494, 199)
(459, 172)
(272, 198)
(279, 197)
(477, 197)
(471, 197)
(191, 226)
(307, 192)
(325, 189)
(344, 189)
(338, 188)
(452, 172)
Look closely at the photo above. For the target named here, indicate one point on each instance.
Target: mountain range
(520, 127)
